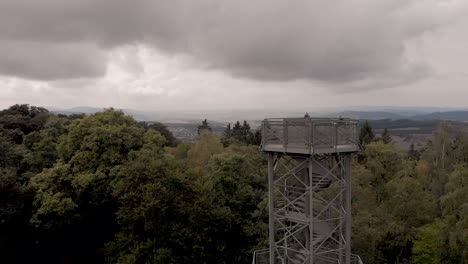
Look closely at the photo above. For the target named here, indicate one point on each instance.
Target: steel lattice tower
(309, 170)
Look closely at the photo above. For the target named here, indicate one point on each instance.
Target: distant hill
(461, 116)
(409, 126)
(222, 116)
(369, 115)
(76, 110)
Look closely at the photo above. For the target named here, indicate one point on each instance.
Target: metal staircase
(309, 163)
(320, 230)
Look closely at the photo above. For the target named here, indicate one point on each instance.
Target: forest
(105, 188)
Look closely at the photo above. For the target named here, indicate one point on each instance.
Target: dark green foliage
(171, 215)
(241, 134)
(154, 204)
(107, 189)
(446, 239)
(256, 137)
(16, 235)
(228, 131)
(102, 188)
(42, 145)
(24, 110)
(239, 184)
(19, 120)
(73, 199)
(76, 116)
(204, 126)
(171, 141)
(413, 153)
(182, 151)
(412, 209)
(386, 137)
(10, 192)
(366, 134)
(10, 154)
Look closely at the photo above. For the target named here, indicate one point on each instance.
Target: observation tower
(309, 178)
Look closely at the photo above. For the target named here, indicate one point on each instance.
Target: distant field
(405, 129)
(187, 132)
(406, 132)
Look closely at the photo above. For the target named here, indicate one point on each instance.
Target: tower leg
(347, 163)
(272, 231)
(310, 210)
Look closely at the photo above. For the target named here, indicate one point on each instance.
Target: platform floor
(302, 149)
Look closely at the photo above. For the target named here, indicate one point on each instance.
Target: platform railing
(309, 134)
(262, 256)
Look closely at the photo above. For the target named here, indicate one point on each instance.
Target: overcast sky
(225, 54)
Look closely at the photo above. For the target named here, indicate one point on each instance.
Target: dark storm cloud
(50, 61)
(330, 41)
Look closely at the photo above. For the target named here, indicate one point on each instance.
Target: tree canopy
(241, 134)
(105, 188)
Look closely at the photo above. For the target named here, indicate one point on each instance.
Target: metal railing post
(285, 134)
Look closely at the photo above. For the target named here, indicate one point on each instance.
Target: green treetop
(366, 134)
(204, 126)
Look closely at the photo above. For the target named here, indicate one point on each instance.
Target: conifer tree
(386, 137)
(413, 153)
(366, 135)
(227, 131)
(237, 131)
(245, 132)
(204, 126)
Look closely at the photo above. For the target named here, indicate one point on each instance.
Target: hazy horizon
(225, 116)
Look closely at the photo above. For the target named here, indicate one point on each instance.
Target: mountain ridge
(225, 117)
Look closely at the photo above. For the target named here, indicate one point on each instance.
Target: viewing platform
(310, 135)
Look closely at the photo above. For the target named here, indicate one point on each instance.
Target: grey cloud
(51, 61)
(330, 41)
